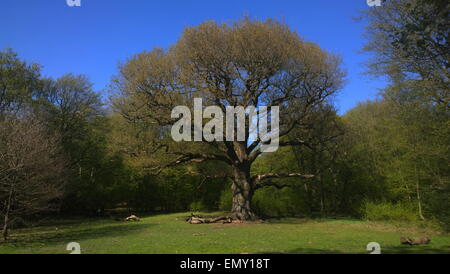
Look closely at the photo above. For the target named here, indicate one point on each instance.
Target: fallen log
(414, 241)
(132, 218)
(194, 219)
(405, 241)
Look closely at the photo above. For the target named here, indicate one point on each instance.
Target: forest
(67, 150)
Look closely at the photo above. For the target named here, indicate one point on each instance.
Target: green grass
(170, 234)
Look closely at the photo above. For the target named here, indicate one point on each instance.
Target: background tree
(69, 104)
(31, 169)
(410, 42)
(19, 81)
(72, 110)
(318, 156)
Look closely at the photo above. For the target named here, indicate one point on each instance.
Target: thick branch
(255, 153)
(283, 175)
(192, 158)
(259, 178)
(274, 184)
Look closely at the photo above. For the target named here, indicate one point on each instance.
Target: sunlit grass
(169, 233)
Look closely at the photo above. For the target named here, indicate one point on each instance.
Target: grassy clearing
(169, 233)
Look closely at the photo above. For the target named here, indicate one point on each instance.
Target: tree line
(66, 151)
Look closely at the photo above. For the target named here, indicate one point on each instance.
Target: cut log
(194, 219)
(132, 218)
(421, 241)
(414, 241)
(405, 240)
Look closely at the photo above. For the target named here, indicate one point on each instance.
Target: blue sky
(93, 38)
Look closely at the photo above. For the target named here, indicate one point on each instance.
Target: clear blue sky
(93, 38)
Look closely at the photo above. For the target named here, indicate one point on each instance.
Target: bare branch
(259, 178)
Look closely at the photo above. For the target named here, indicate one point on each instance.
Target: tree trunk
(322, 195)
(6, 219)
(242, 190)
(417, 173)
(301, 165)
(419, 203)
(318, 164)
(5, 228)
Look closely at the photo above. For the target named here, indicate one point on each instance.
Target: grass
(169, 233)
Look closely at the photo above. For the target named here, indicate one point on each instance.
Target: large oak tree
(248, 63)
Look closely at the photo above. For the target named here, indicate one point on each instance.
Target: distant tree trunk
(318, 172)
(417, 173)
(6, 219)
(334, 198)
(408, 192)
(322, 195)
(419, 203)
(5, 227)
(301, 165)
(243, 191)
(308, 198)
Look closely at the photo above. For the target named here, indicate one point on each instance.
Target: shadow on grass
(305, 220)
(74, 234)
(386, 250)
(305, 251)
(423, 249)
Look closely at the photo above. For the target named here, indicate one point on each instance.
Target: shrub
(268, 202)
(197, 206)
(271, 202)
(388, 212)
(225, 202)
